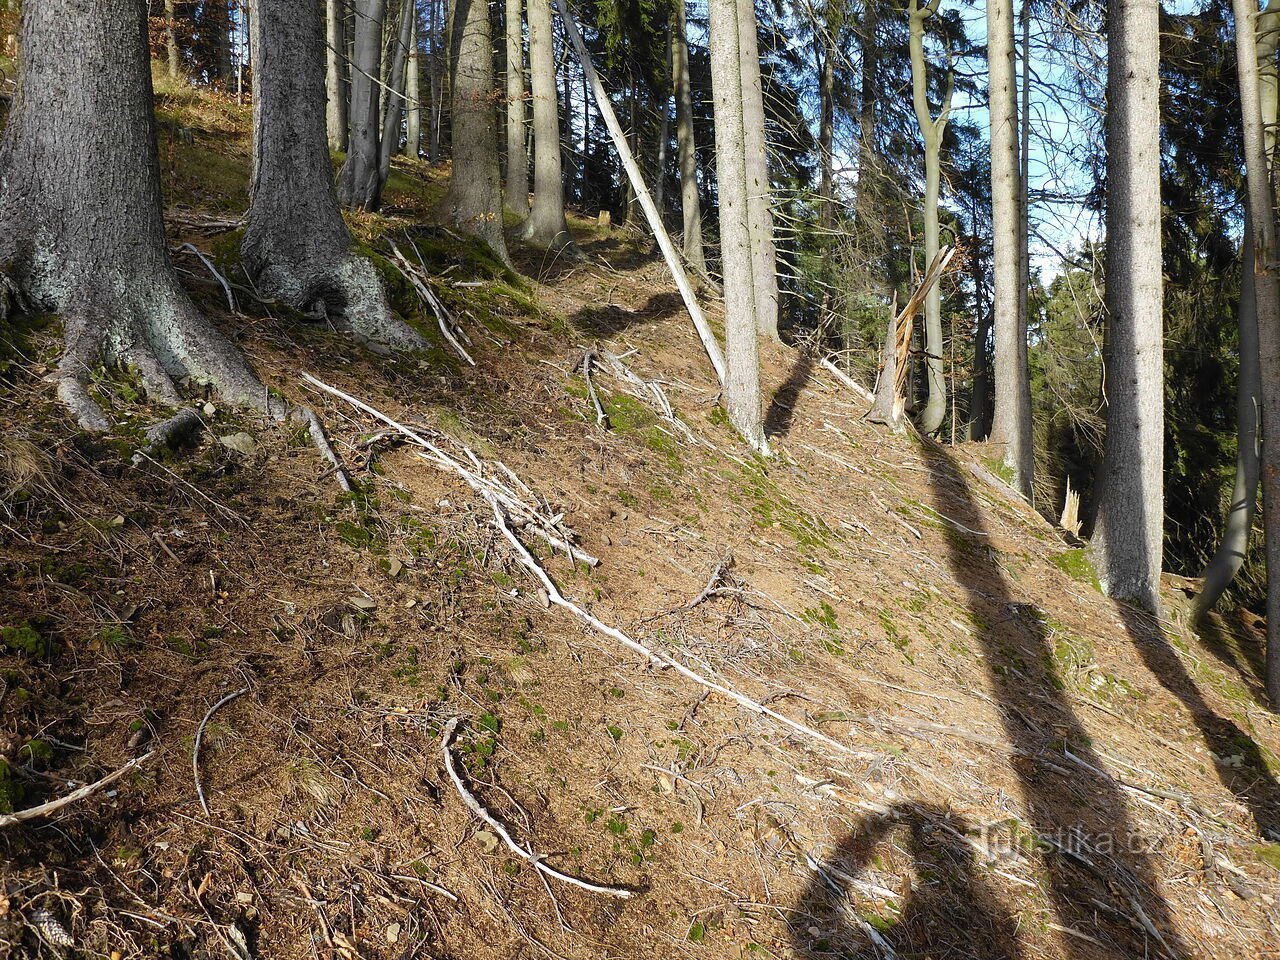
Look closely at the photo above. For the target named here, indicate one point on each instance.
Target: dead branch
(208, 265)
(316, 429)
(419, 283)
(53, 806)
(602, 419)
(195, 749)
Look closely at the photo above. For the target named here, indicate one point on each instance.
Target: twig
(602, 419)
(848, 381)
(195, 749)
(226, 287)
(53, 806)
(477, 808)
(431, 300)
(316, 429)
(712, 587)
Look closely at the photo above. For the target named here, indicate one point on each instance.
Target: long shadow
(1079, 815)
(1238, 760)
(609, 320)
(782, 408)
(1236, 650)
(949, 911)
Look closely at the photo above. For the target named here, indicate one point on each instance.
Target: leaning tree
(81, 232)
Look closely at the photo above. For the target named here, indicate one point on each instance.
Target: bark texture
(81, 233)
(546, 225)
(1127, 541)
(296, 245)
(393, 116)
(516, 190)
(686, 146)
(171, 39)
(358, 182)
(1011, 424)
(474, 200)
(764, 254)
(335, 84)
(413, 96)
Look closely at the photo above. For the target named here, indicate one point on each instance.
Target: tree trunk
(545, 225)
(1127, 541)
(980, 400)
(474, 200)
(1011, 426)
(742, 373)
(690, 205)
(516, 192)
(826, 134)
(931, 129)
(413, 90)
(81, 233)
(1267, 293)
(296, 246)
(870, 229)
(358, 182)
(436, 67)
(394, 114)
(335, 75)
(171, 39)
(764, 254)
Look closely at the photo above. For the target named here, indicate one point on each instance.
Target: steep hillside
(981, 756)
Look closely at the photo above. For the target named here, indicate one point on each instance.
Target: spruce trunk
(545, 225)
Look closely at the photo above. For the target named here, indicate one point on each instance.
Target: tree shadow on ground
(949, 909)
(551, 266)
(1238, 648)
(611, 319)
(782, 408)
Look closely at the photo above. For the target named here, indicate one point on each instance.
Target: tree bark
(931, 129)
(296, 246)
(335, 75)
(358, 181)
(742, 360)
(690, 204)
(171, 39)
(1267, 292)
(437, 72)
(1127, 541)
(764, 254)
(394, 113)
(474, 200)
(826, 132)
(1011, 425)
(545, 225)
(81, 233)
(516, 191)
(413, 91)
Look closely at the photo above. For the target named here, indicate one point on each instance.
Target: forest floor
(1028, 769)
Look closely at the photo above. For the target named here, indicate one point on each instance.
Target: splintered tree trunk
(392, 118)
(690, 204)
(545, 225)
(80, 224)
(1127, 540)
(1011, 427)
(764, 254)
(296, 246)
(516, 191)
(413, 91)
(358, 181)
(1267, 296)
(334, 76)
(742, 357)
(474, 200)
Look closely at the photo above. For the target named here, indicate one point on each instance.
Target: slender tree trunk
(1127, 541)
(870, 229)
(690, 205)
(1011, 427)
(1267, 292)
(517, 183)
(826, 134)
(413, 90)
(225, 54)
(436, 66)
(171, 39)
(335, 75)
(764, 254)
(980, 400)
(81, 233)
(664, 137)
(545, 225)
(931, 129)
(358, 185)
(742, 375)
(474, 200)
(394, 115)
(296, 246)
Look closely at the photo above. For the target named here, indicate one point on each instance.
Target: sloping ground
(1028, 770)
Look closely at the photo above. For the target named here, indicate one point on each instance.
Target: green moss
(10, 788)
(1269, 853)
(23, 638)
(1076, 565)
(36, 752)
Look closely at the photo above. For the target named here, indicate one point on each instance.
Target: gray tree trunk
(435, 65)
(358, 181)
(335, 75)
(742, 359)
(171, 39)
(474, 200)
(1127, 540)
(690, 204)
(296, 245)
(81, 233)
(393, 116)
(516, 191)
(546, 225)
(1267, 294)
(413, 92)
(764, 254)
(826, 134)
(931, 129)
(1011, 425)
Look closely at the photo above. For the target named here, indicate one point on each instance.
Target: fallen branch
(647, 390)
(316, 429)
(195, 749)
(53, 806)
(443, 318)
(476, 807)
(848, 381)
(602, 419)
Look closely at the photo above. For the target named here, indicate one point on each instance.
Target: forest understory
(1020, 768)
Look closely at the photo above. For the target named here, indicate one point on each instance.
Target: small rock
(362, 603)
(488, 841)
(606, 540)
(394, 568)
(209, 409)
(242, 443)
(393, 933)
